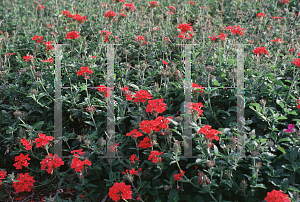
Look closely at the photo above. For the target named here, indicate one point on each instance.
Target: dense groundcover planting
(149, 101)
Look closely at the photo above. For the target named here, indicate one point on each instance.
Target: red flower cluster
(154, 156)
(51, 161)
(298, 107)
(297, 62)
(235, 29)
(2, 175)
(72, 35)
(128, 7)
(40, 6)
(127, 93)
(178, 176)
(172, 9)
(156, 105)
(286, 1)
(106, 35)
(26, 144)
(133, 159)
(79, 151)
(277, 196)
(78, 165)
(135, 132)
(105, 89)
(260, 15)
(38, 39)
(184, 28)
(194, 85)
(209, 133)
(49, 46)
(84, 71)
(114, 191)
(141, 96)
(132, 172)
(260, 50)
(27, 57)
(278, 40)
(145, 143)
(43, 140)
(49, 60)
(25, 182)
(21, 160)
(156, 125)
(77, 17)
(195, 107)
(153, 4)
(276, 18)
(141, 38)
(110, 15)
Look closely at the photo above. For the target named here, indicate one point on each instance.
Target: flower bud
(210, 163)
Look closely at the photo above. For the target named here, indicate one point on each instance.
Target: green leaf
(90, 123)
(284, 139)
(281, 149)
(282, 117)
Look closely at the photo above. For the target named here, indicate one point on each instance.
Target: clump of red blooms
(51, 161)
(76, 17)
(77, 164)
(120, 190)
(277, 196)
(72, 35)
(153, 4)
(154, 156)
(184, 29)
(110, 15)
(178, 176)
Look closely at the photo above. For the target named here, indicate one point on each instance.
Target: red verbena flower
(153, 4)
(156, 105)
(72, 35)
(178, 176)
(110, 14)
(154, 156)
(40, 6)
(49, 46)
(141, 96)
(78, 165)
(25, 183)
(128, 7)
(79, 18)
(277, 196)
(51, 161)
(209, 133)
(2, 175)
(297, 62)
(77, 152)
(120, 190)
(260, 50)
(133, 159)
(84, 71)
(135, 132)
(21, 160)
(43, 140)
(27, 57)
(145, 143)
(26, 144)
(38, 39)
(195, 108)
